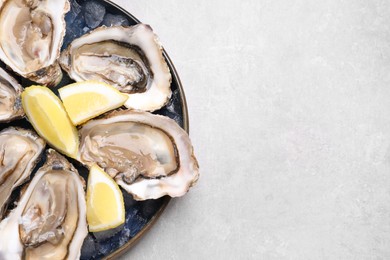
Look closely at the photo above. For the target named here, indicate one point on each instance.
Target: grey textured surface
(289, 105)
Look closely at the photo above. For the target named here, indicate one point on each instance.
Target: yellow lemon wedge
(89, 99)
(49, 118)
(105, 206)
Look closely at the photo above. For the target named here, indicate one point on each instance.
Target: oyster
(148, 155)
(10, 103)
(31, 35)
(50, 219)
(20, 150)
(129, 58)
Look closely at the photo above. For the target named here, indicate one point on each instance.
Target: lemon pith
(105, 206)
(49, 118)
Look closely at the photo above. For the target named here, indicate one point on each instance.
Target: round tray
(140, 215)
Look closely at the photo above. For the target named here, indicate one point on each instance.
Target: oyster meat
(50, 219)
(10, 100)
(31, 36)
(148, 155)
(128, 58)
(20, 150)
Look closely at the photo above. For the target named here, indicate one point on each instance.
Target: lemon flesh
(49, 118)
(89, 99)
(105, 206)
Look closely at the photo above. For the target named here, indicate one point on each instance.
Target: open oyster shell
(10, 100)
(20, 151)
(129, 58)
(148, 155)
(31, 35)
(50, 219)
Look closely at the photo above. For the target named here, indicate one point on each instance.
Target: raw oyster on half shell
(148, 155)
(31, 36)
(20, 151)
(10, 100)
(50, 219)
(128, 58)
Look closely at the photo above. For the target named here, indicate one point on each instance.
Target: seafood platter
(93, 130)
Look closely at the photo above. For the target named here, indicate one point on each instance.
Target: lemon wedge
(89, 99)
(105, 206)
(49, 118)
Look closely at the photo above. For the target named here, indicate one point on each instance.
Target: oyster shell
(10, 100)
(148, 155)
(31, 35)
(129, 58)
(50, 219)
(20, 151)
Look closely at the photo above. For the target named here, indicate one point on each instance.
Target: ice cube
(74, 29)
(124, 237)
(115, 20)
(105, 248)
(134, 222)
(94, 13)
(89, 247)
(86, 29)
(75, 9)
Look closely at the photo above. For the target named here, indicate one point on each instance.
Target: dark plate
(140, 216)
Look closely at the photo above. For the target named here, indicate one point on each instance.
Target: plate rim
(126, 247)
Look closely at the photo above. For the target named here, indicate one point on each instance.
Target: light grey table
(289, 105)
